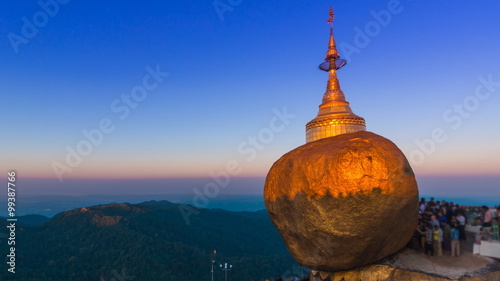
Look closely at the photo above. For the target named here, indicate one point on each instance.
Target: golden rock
(344, 201)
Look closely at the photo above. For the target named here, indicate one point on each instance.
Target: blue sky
(229, 72)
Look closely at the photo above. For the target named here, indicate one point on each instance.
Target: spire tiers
(335, 116)
(332, 48)
(333, 91)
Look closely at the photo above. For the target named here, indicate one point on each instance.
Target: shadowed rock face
(344, 201)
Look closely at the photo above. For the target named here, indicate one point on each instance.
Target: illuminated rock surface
(344, 201)
(410, 265)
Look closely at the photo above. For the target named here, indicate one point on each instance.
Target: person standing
(453, 220)
(421, 231)
(487, 217)
(455, 241)
(461, 226)
(494, 230)
(446, 236)
(422, 205)
(452, 211)
(429, 249)
(437, 239)
(434, 221)
(428, 240)
(442, 218)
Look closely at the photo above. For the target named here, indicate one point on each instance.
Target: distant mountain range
(30, 220)
(147, 241)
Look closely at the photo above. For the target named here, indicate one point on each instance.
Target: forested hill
(148, 241)
(30, 220)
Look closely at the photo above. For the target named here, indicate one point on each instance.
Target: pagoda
(335, 116)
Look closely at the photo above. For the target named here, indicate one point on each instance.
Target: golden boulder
(344, 201)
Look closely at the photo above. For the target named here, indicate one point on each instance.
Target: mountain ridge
(30, 219)
(150, 241)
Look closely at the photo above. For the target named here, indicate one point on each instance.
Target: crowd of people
(441, 227)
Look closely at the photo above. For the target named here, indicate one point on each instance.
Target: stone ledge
(387, 273)
(410, 265)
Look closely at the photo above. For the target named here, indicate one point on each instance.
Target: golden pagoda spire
(335, 116)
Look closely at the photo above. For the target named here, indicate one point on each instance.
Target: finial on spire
(330, 20)
(332, 59)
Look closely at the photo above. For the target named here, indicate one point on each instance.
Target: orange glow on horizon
(132, 173)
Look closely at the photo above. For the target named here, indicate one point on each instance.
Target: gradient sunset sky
(416, 70)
